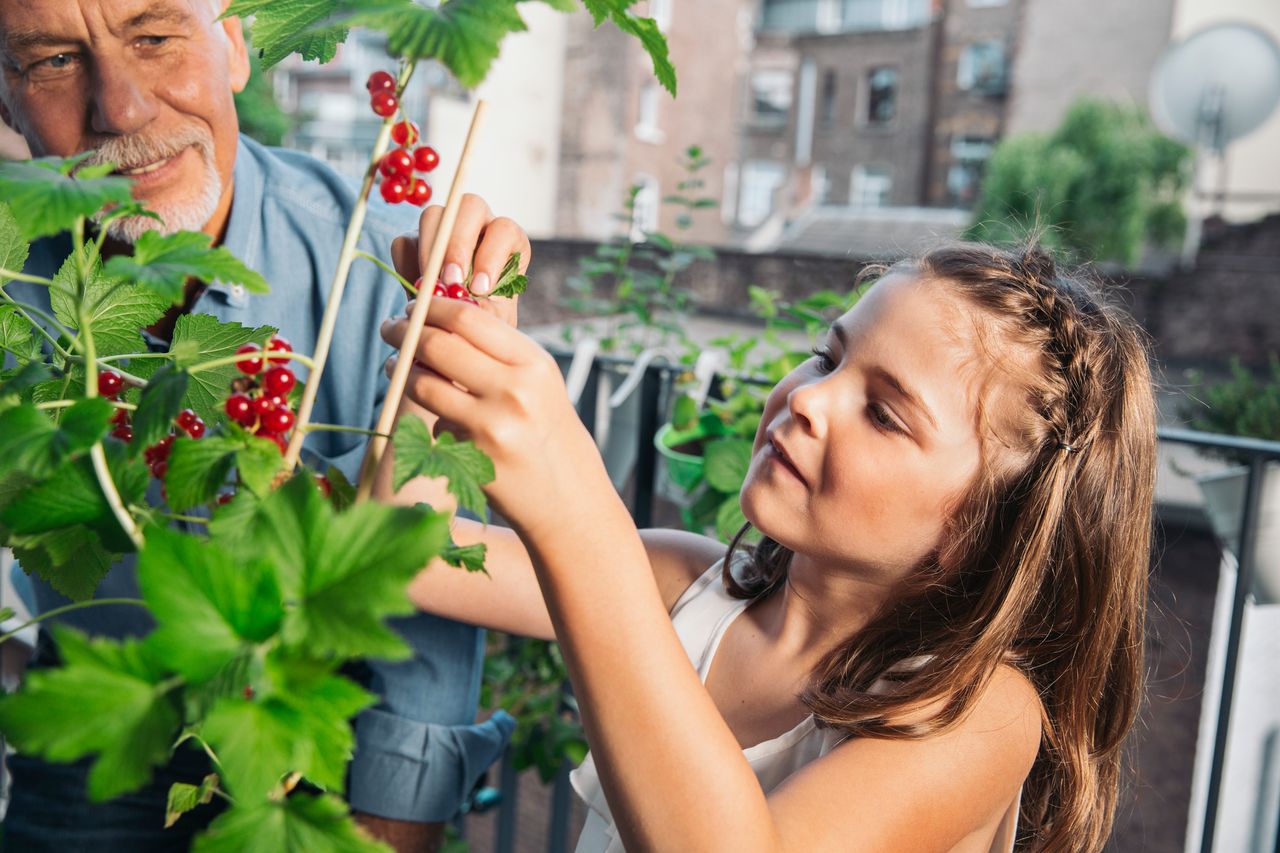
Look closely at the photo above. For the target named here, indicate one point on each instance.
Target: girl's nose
(808, 406)
(122, 103)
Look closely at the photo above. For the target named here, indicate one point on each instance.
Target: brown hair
(1045, 562)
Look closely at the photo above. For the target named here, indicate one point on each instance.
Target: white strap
(584, 354)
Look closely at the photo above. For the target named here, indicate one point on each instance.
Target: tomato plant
(278, 576)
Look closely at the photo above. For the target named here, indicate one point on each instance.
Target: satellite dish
(1217, 85)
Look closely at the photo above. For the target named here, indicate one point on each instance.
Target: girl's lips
(776, 454)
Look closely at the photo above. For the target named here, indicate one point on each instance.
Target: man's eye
(56, 62)
(153, 41)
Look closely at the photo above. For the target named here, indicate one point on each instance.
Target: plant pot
(683, 471)
(1224, 504)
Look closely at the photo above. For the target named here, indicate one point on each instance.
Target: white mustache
(133, 152)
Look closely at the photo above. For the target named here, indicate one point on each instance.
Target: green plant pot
(683, 469)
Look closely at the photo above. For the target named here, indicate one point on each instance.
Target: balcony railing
(655, 390)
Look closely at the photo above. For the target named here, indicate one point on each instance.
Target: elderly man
(148, 84)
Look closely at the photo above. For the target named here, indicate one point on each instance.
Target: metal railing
(655, 389)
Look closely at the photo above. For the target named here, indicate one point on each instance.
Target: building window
(759, 181)
(969, 155)
(819, 184)
(982, 68)
(828, 16)
(827, 104)
(981, 4)
(870, 186)
(660, 11)
(882, 95)
(644, 208)
(647, 114)
(771, 92)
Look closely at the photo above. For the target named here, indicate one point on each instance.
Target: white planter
(1224, 504)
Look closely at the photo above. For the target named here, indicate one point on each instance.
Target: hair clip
(1070, 448)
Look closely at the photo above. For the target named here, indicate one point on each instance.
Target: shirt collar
(244, 235)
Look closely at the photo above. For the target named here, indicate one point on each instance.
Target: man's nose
(122, 101)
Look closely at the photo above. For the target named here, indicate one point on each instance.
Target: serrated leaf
(17, 336)
(71, 559)
(13, 246)
(729, 518)
(346, 572)
(298, 824)
(465, 465)
(105, 700)
(342, 493)
(183, 798)
(258, 462)
(72, 496)
(117, 312)
(162, 263)
(160, 403)
(644, 29)
(46, 201)
(202, 337)
(32, 373)
(233, 521)
(31, 442)
(209, 604)
(282, 27)
(198, 469)
(469, 557)
(727, 461)
(510, 281)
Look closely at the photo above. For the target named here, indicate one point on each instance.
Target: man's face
(146, 84)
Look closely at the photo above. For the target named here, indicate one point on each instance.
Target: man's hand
(479, 243)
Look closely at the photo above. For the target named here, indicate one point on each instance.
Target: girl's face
(864, 450)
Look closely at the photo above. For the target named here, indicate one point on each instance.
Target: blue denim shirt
(418, 752)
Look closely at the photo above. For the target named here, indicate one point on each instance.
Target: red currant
(404, 133)
(265, 404)
(124, 432)
(440, 290)
(248, 692)
(279, 344)
(425, 158)
(110, 383)
(196, 430)
(394, 190)
(281, 442)
(457, 291)
(278, 420)
(240, 409)
(326, 488)
(249, 365)
(396, 163)
(121, 416)
(186, 418)
(380, 81)
(419, 193)
(159, 468)
(278, 381)
(226, 498)
(384, 103)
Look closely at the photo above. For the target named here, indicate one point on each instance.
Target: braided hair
(1044, 564)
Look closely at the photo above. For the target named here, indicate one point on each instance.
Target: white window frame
(645, 208)
(819, 184)
(984, 4)
(647, 104)
(758, 181)
(966, 70)
(778, 76)
(870, 186)
(660, 11)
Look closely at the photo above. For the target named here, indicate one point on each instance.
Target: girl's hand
(493, 385)
(479, 243)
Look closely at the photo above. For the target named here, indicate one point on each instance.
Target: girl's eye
(881, 418)
(826, 363)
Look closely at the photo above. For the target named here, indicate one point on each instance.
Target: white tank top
(701, 616)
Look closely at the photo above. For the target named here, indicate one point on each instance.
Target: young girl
(938, 644)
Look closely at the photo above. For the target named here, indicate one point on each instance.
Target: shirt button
(237, 290)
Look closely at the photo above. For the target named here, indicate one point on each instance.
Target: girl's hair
(1044, 563)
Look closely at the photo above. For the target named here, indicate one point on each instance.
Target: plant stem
(23, 309)
(79, 605)
(233, 359)
(190, 519)
(124, 374)
(332, 307)
(63, 404)
(404, 282)
(21, 276)
(340, 428)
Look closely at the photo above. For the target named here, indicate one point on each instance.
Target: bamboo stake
(400, 375)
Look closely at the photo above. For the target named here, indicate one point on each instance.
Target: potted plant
(1244, 405)
(706, 451)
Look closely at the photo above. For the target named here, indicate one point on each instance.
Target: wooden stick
(400, 375)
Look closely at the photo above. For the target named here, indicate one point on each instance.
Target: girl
(938, 643)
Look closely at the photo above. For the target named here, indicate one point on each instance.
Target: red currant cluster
(398, 166)
(110, 384)
(263, 405)
(448, 291)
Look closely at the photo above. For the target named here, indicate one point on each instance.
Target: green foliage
(1244, 405)
(1102, 186)
(184, 797)
(315, 824)
(256, 108)
(49, 199)
(163, 263)
(13, 247)
(417, 454)
(510, 281)
(634, 285)
(114, 311)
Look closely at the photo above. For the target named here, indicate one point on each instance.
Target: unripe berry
(384, 103)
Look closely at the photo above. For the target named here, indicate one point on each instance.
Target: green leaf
(282, 27)
(645, 29)
(729, 518)
(161, 401)
(31, 442)
(299, 824)
(48, 201)
(345, 571)
(116, 311)
(198, 469)
(727, 462)
(162, 263)
(209, 604)
(183, 798)
(13, 247)
(510, 281)
(30, 374)
(233, 521)
(71, 559)
(258, 462)
(107, 700)
(469, 557)
(202, 337)
(17, 336)
(341, 493)
(466, 466)
(72, 496)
